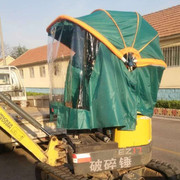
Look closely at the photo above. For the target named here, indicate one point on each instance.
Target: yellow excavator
(110, 83)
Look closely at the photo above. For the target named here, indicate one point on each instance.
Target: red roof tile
(166, 22)
(38, 54)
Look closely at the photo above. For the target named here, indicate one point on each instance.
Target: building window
(42, 71)
(172, 55)
(56, 69)
(21, 73)
(31, 72)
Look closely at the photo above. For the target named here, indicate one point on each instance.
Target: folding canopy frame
(113, 94)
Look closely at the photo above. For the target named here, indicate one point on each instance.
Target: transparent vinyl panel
(71, 57)
(58, 60)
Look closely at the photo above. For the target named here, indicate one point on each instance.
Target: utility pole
(2, 45)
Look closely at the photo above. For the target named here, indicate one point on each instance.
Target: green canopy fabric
(113, 94)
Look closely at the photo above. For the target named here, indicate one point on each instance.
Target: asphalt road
(19, 165)
(166, 140)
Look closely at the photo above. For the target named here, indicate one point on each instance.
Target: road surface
(19, 165)
(166, 140)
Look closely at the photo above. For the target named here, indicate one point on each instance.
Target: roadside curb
(166, 112)
(168, 118)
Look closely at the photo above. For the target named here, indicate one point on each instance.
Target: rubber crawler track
(170, 172)
(64, 173)
(55, 173)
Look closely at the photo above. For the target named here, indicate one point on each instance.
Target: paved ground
(166, 140)
(19, 165)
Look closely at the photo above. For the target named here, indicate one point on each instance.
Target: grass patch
(35, 94)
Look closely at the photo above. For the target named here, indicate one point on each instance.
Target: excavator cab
(105, 71)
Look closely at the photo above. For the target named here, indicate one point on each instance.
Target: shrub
(173, 104)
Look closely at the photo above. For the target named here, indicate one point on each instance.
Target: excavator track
(46, 172)
(155, 170)
(167, 170)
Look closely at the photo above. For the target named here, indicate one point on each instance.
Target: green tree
(17, 51)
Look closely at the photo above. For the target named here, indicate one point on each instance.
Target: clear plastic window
(71, 57)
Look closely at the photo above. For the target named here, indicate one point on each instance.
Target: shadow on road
(17, 165)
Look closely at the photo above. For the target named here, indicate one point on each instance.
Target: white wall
(44, 82)
(37, 81)
(171, 78)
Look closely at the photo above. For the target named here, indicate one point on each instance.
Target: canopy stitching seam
(148, 43)
(109, 15)
(136, 29)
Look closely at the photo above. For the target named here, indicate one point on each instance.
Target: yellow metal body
(56, 152)
(53, 155)
(12, 128)
(142, 135)
(49, 156)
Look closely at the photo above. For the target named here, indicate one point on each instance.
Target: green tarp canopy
(114, 95)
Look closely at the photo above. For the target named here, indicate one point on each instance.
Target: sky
(24, 22)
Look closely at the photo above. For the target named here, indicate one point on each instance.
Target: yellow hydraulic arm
(12, 128)
(50, 156)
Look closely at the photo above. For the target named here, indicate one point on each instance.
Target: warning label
(5, 121)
